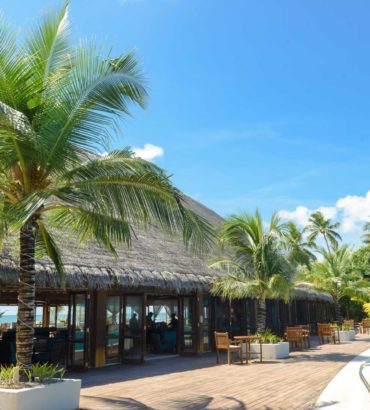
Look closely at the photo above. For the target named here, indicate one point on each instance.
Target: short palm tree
(258, 266)
(58, 104)
(319, 225)
(333, 274)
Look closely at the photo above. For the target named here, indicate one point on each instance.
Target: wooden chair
(295, 337)
(306, 335)
(365, 326)
(326, 330)
(223, 342)
(349, 323)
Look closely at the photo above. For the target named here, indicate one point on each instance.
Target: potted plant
(45, 387)
(345, 332)
(273, 347)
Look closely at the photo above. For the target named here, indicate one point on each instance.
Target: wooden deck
(198, 383)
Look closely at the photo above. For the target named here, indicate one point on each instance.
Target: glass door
(206, 325)
(188, 328)
(78, 334)
(133, 333)
(113, 330)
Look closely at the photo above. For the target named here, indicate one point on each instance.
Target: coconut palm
(319, 225)
(299, 248)
(258, 266)
(333, 274)
(59, 102)
(366, 234)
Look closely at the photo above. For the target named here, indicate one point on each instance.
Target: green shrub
(9, 375)
(269, 337)
(45, 372)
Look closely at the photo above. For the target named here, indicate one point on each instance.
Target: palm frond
(235, 287)
(85, 106)
(46, 243)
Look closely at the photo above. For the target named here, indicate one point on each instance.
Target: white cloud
(149, 152)
(351, 211)
(355, 209)
(300, 215)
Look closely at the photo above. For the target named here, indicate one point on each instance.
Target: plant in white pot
(46, 388)
(273, 347)
(346, 333)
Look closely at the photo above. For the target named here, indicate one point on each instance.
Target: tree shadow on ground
(191, 403)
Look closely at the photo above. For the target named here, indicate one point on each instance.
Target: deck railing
(362, 376)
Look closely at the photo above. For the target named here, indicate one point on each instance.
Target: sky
(252, 103)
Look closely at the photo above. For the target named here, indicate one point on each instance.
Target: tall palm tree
(366, 234)
(333, 274)
(258, 266)
(299, 248)
(319, 225)
(58, 103)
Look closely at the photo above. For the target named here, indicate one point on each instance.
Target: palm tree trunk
(261, 316)
(338, 312)
(327, 243)
(26, 300)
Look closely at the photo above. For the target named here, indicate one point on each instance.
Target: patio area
(198, 383)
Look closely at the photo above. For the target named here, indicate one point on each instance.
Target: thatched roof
(154, 262)
(307, 292)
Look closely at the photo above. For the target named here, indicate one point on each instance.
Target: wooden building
(109, 304)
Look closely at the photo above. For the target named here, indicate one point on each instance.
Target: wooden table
(248, 340)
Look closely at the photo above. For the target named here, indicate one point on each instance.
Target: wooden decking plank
(198, 383)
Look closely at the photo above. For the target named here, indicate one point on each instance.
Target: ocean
(13, 318)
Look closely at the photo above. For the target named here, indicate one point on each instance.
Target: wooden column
(199, 322)
(45, 313)
(98, 328)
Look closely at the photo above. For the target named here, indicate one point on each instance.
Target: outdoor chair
(223, 342)
(349, 323)
(295, 337)
(365, 326)
(326, 330)
(306, 335)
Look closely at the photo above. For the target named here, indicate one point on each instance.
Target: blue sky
(254, 103)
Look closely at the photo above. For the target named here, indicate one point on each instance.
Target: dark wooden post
(98, 328)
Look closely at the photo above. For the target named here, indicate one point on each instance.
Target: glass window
(80, 317)
(188, 320)
(52, 316)
(206, 339)
(133, 334)
(39, 313)
(62, 316)
(113, 326)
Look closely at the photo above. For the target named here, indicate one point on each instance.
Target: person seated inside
(134, 323)
(149, 321)
(174, 322)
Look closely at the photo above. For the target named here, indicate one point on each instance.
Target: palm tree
(319, 225)
(58, 104)
(258, 266)
(366, 234)
(333, 275)
(298, 246)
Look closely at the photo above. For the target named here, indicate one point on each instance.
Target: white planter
(61, 395)
(346, 335)
(270, 351)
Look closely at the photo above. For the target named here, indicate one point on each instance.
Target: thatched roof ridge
(307, 292)
(155, 261)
